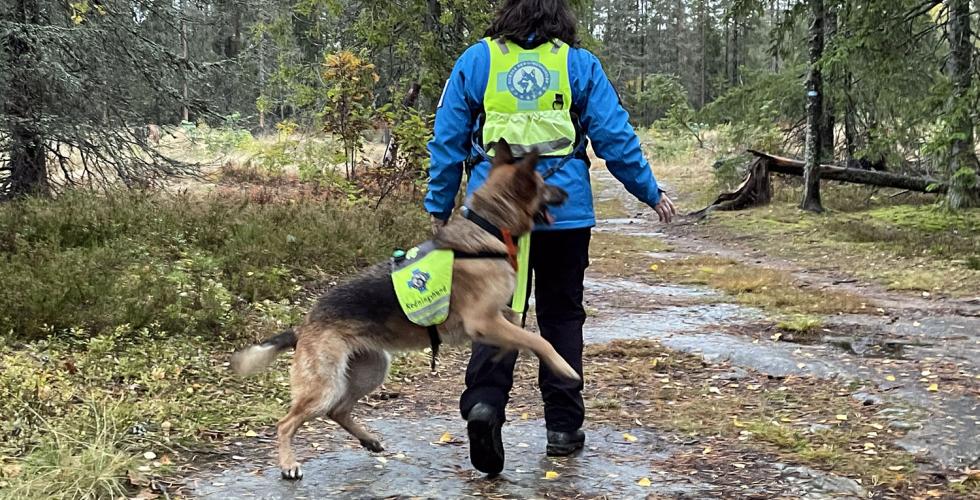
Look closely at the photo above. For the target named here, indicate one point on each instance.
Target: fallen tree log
(756, 189)
(789, 166)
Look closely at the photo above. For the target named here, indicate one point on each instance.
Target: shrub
(175, 264)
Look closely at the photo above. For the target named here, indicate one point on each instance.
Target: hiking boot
(486, 447)
(561, 444)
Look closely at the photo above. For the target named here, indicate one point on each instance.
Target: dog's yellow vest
(423, 280)
(528, 99)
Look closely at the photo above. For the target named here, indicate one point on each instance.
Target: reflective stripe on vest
(528, 99)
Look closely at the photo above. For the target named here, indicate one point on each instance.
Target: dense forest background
(81, 80)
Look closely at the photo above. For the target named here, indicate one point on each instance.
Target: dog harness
(422, 277)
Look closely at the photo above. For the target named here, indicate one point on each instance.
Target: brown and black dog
(342, 346)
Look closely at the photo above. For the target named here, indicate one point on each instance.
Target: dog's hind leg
(319, 382)
(366, 371)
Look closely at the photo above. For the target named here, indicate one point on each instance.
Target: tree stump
(755, 190)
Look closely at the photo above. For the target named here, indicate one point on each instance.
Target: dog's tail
(258, 357)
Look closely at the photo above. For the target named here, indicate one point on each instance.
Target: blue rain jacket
(601, 117)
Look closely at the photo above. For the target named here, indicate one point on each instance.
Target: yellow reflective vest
(528, 99)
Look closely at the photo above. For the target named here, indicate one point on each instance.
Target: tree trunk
(850, 121)
(829, 121)
(735, 53)
(728, 48)
(814, 107)
(391, 151)
(185, 114)
(262, 80)
(702, 26)
(27, 162)
(964, 169)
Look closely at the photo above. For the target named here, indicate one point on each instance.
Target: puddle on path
(617, 292)
(414, 467)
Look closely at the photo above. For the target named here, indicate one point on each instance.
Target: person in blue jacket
(500, 87)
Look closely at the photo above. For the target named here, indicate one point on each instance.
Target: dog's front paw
(292, 473)
(372, 445)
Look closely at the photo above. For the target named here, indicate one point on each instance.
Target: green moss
(902, 247)
(801, 323)
(928, 218)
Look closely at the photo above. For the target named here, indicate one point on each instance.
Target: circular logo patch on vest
(528, 80)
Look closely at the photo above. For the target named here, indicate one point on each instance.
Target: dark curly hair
(517, 20)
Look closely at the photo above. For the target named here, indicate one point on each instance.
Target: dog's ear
(502, 153)
(530, 161)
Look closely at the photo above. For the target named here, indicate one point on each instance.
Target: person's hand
(437, 223)
(665, 209)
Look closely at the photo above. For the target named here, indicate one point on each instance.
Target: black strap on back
(480, 255)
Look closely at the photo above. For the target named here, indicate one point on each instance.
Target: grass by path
(902, 242)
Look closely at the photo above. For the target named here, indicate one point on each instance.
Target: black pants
(558, 260)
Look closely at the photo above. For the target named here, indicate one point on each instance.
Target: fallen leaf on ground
(551, 475)
(629, 437)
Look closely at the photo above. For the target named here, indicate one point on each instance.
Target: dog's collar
(503, 235)
(484, 224)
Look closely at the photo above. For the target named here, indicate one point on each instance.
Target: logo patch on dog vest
(423, 279)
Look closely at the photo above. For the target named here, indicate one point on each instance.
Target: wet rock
(842, 342)
(664, 322)
(902, 425)
(867, 399)
(819, 485)
(948, 436)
